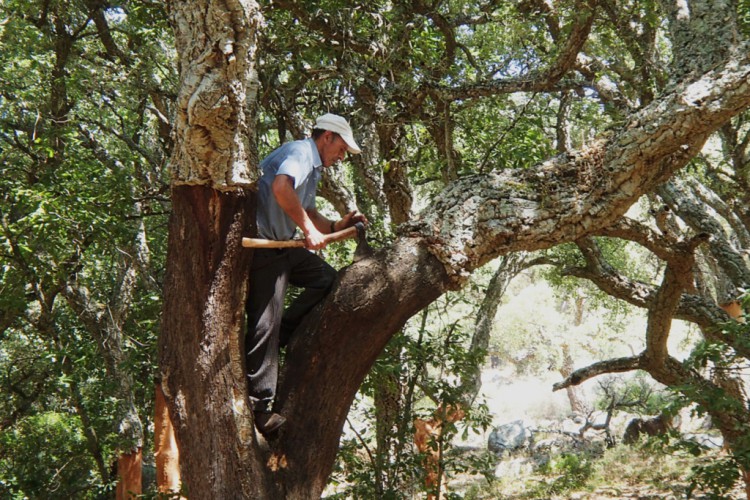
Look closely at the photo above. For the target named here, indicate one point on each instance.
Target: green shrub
(45, 456)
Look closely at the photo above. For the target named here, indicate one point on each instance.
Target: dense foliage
(84, 91)
(438, 91)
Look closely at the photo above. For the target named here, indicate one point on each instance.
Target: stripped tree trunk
(166, 454)
(428, 438)
(129, 483)
(201, 360)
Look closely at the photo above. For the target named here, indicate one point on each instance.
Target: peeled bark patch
(200, 350)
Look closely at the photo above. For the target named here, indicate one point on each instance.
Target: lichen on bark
(216, 104)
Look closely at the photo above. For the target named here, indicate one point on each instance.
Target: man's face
(333, 148)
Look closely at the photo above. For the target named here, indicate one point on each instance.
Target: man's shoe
(268, 423)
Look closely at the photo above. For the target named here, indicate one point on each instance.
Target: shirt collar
(317, 162)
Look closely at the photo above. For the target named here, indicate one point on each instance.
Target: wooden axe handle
(349, 232)
(261, 243)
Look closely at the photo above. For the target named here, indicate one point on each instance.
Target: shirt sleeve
(294, 167)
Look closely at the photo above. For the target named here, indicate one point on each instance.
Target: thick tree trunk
(201, 358)
(703, 33)
(334, 349)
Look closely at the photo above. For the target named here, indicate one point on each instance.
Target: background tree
(84, 136)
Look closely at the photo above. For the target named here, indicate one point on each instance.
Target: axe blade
(363, 249)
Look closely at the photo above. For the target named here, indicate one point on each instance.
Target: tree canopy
(490, 129)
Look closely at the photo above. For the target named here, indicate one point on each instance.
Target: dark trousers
(269, 327)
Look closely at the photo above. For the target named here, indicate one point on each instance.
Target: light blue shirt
(299, 160)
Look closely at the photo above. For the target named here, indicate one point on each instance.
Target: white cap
(338, 124)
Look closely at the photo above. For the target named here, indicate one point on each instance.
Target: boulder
(650, 426)
(508, 437)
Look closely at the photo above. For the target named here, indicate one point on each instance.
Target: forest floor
(641, 471)
(621, 473)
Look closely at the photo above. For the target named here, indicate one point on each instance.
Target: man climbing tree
(286, 201)
(455, 101)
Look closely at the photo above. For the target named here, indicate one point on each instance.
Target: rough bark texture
(694, 211)
(480, 217)
(703, 33)
(201, 360)
(333, 351)
(332, 189)
(395, 180)
(216, 44)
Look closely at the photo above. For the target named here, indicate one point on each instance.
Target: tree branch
(693, 211)
(549, 79)
(570, 196)
(96, 11)
(713, 200)
(616, 365)
(632, 230)
(693, 308)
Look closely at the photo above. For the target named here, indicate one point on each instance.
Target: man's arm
(283, 190)
(326, 225)
(323, 224)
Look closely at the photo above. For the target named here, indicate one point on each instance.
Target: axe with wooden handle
(358, 230)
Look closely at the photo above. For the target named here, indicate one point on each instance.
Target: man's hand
(350, 219)
(314, 239)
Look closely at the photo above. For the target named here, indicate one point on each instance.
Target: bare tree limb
(617, 365)
(693, 211)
